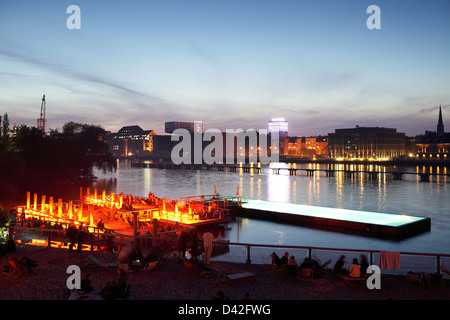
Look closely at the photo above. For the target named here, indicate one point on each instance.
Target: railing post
(249, 261)
(438, 263)
(49, 238)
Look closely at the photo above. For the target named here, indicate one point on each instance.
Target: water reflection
(278, 188)
(360, 191)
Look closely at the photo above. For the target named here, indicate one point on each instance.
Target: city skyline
(230, 64)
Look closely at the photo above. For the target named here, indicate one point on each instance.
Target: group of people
(357, 268)
(76, 236)
(194, 241)
(114, 289)
(14, 264)
(291, 265)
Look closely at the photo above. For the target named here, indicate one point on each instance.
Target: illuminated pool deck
(368, 223)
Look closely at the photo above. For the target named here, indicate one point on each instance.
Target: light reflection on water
(383, 194)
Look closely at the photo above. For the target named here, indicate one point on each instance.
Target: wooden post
(35, 202)
(155, 231)
(80, 212)
(70, 210)
(43, 203)
(28, 200)
(50, 205)
(135, 222)
(59, 208)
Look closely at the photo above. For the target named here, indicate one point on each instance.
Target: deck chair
(190, 267)
(13, 269)
(306, 273)
(292, 271)
(415, 278)
(325, 265)
(105, 265)
(277, 268)
(150, 266)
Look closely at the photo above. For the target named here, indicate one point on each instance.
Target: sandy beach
(172, 281)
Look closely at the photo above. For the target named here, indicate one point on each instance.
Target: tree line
(70, 154)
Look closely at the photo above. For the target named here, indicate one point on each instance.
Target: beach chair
(412, 277)
(13, 269)
(277, 268)
(190, 267)
(306, 273)
(325, 265)
(292, 271)
(220, 277)
(150, 266)
(105, 265)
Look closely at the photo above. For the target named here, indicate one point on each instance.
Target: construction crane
(41, 120)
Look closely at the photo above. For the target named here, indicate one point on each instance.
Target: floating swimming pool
(336, 219)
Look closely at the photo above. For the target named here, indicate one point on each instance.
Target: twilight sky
(231, 63)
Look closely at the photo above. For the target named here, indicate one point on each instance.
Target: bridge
(310, 172)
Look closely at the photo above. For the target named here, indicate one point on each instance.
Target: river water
(408, 196)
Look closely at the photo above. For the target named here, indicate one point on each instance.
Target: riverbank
(172, 281)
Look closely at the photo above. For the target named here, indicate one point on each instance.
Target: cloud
(68, 72)
(434, 108)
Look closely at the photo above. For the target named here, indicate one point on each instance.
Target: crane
(41, 120)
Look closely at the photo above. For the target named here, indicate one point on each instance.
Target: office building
(366, 143)
(131, 141)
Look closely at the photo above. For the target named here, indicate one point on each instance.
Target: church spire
(440, 126)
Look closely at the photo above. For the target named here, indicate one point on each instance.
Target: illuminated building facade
(279, 125)
(435, 145)
(131, 141)
(306, 147)
(196, 126)
(366, 143)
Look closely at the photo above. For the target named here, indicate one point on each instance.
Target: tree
(5, 133)
(70, 154)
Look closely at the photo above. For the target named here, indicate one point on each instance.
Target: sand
(172, 281)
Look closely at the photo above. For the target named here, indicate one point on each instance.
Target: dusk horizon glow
(231, 64)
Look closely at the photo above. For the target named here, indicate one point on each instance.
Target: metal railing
(260, 253)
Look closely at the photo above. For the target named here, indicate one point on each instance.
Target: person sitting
(355, 269)
(339, 267)
(100, 224)
(280, 261)
(107, 292)
(220, 296)
(306, 264)
(292, 266)
(86, 286)
(364, 264)
(28, 263)
(116, 289)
